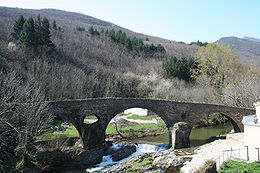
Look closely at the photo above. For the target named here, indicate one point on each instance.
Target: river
(198, 137)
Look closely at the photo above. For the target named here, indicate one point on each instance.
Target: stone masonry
(93, 135)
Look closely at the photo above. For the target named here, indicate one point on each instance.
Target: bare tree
(22, 117)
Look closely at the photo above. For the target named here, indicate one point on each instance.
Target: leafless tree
(22, 117)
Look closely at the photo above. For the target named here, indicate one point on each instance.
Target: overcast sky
(179, 20)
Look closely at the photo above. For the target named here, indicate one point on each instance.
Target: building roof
(251, 119)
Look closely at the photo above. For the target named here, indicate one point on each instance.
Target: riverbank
(219, 151)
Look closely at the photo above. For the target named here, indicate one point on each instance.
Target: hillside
(84, 65)
(69, 20)
(247, 48)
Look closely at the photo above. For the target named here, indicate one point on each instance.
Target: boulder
(161, 160)
(87, 158)
(167, 159)
(125, 150)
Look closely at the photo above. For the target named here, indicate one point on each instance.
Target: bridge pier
(179, 135)
(92, 135)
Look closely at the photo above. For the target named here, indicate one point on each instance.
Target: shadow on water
(198, 136)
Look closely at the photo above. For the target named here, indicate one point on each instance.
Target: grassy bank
(138, 117)
(235, 166)
(137, 130)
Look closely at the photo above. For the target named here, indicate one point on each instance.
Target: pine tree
(91, 30)
(128, 44)
(46, 34)
(54, 25)
(106, 32)
(18, 27)
(102, 31)
(38, 31)
(27, 36)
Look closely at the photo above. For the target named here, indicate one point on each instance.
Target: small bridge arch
(93, 135)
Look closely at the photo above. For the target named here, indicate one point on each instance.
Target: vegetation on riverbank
(138, 117)
(42, 162)
(236, 166)
(212, 120)
(128, 131)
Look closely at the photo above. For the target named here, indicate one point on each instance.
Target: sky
(178, 20)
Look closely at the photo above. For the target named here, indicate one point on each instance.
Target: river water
(107, 161)
(198, 137)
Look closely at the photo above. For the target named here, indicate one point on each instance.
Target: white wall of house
(252, 135)
(137, 111)
(252, 131)
(257, 109)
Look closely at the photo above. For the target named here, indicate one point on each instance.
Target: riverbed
(198, 137)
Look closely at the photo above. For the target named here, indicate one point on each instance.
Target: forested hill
(74, 56)
(247, 48)
(84, 65)
(69, 21)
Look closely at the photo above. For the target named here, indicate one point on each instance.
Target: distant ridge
(247, 48)
(252, 39)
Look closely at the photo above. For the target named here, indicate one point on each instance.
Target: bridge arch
(106, 108)
(235, 120)
(132, 123)
(123, 108)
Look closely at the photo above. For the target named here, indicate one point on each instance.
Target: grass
(146, 161)
(91, 117)
(235, 166)
(70, 132)
(139, 127)
(132, 130)
(138, 117)
(213, 138)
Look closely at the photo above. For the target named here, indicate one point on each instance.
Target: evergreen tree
(18, 27)
(160, 48)
(106, 32)
(38, 32)
(128, 44)
(54, 25)
(134, 41)
(96, 32)
(140, 44)
(112, 35)
(102, 31)
(27, 36)
(118, 36)
(181, 68)
(91, 30)
(123, 39)
(46, 34)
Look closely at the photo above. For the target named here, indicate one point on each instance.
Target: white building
(252, 131)
(137, 111)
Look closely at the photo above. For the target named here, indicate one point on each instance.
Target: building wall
(137, 111)
(257, 108)
(252, 138)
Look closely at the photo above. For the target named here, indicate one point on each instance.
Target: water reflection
(198, 136)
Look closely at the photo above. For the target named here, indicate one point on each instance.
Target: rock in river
(124, 150)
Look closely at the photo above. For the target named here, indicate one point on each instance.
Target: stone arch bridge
(93, 135)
